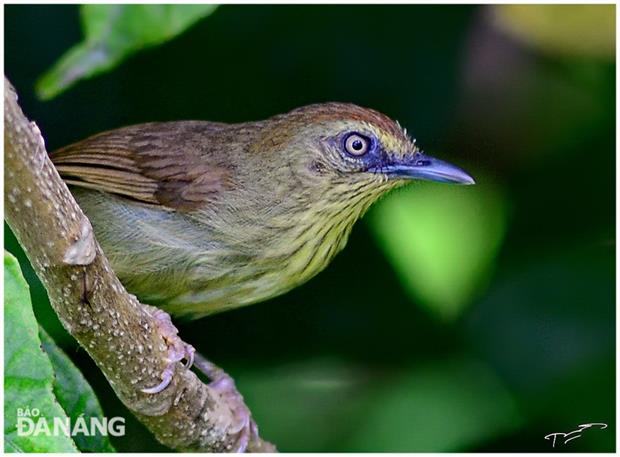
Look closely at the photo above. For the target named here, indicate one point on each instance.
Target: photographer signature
(566, 437)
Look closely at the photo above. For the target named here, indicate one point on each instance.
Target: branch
(120, 334)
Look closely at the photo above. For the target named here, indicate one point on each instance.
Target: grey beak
(421, 166)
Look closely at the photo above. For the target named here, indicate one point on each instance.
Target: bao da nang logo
(30, 422)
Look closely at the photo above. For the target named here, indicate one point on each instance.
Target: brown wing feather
(157, 163)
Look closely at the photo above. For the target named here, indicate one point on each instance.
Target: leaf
(555, 314)
(442, 240)
(28, 373)
(573, 30)
(112, 33)
(316, 400)
(75, 395)
(445, 407)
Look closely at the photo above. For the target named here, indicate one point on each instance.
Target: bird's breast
(279, 263)
(194, 266)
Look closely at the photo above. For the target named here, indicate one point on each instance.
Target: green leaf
(442, 240)
(75, 396)
(28, 373)
(316, 400)
(445, 407)
(571, 30)
(112, 33)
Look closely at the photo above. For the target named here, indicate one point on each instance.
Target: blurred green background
(457, 319)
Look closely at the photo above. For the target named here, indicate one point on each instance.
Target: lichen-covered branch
(119, 333)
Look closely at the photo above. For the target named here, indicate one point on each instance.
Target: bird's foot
(177, 349)
(224, 386)
(221, 383)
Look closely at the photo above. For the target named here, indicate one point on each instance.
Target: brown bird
(199, 217)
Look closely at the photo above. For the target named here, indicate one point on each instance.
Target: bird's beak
(421, 166)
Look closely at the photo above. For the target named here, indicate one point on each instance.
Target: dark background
(350, 361)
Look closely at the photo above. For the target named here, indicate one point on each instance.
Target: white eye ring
(356, 145)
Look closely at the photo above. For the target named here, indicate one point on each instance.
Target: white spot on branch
(82, 251)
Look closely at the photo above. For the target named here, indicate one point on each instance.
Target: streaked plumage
(198, 217)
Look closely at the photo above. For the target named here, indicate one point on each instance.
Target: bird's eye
(356, 144)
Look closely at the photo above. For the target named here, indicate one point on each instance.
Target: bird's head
(349, 149)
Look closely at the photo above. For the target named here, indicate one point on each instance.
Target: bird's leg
(177, 349)
(221, 383)
(224, 386)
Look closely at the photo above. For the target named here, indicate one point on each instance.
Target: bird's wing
(157, 163)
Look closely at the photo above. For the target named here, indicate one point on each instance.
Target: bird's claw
(178, 350)
(223, 385)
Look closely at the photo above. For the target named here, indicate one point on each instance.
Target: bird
(199, 217)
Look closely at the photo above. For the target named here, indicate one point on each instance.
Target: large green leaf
(28, 373)
(442, 240)
(112, 33)
(453, 405)
(75, 396)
